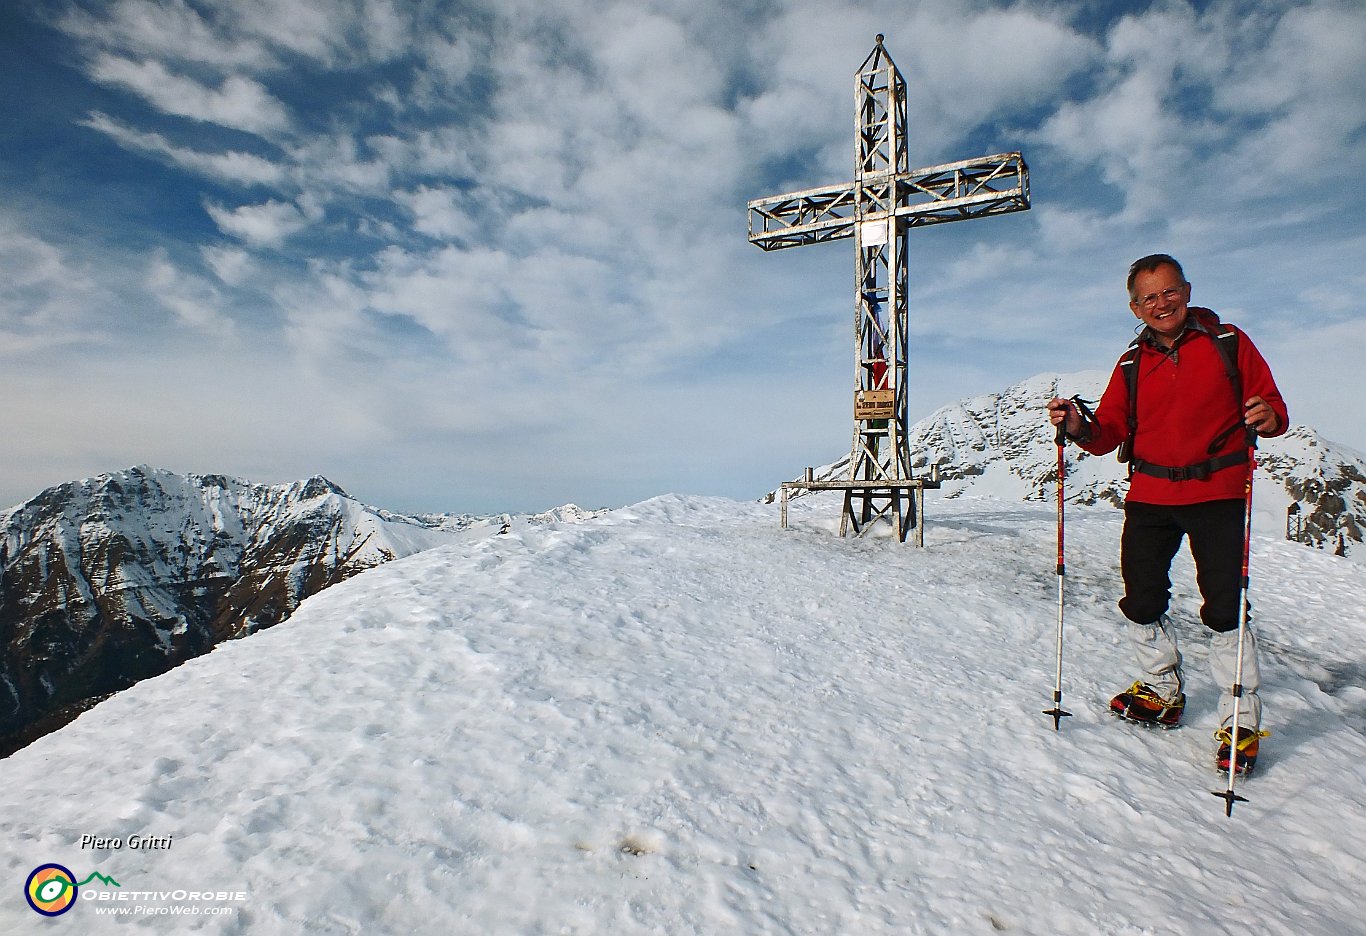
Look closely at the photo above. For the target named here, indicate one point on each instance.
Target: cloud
(238, 102)
(1065, 229)
(43, 294)
(990, 64)
(232, 265)
(194, 301)
(460, 295)
(263, 225)
(447, 61)
(343, 163)
(1312, 367)
(1127, 133)
(28, 261)
(170, 30)
(331, 33)
(439, 212)
(1308, 86)
(964, 66)
(445, 151)
(1238, 104)
(251, 36)
(235, 167)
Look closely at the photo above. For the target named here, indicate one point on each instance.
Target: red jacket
(1185, 400)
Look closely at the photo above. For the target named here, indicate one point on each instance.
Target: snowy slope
(677, 718)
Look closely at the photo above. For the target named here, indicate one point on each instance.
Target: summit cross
(878, 209)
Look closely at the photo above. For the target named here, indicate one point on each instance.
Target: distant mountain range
(1001, 444)
(114, 579)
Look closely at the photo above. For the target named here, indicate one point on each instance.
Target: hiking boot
(1141, 703)
(1248, 739)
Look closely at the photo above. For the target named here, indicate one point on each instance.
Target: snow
(678, 718)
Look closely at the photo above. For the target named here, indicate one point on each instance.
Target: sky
(488, 256)
(790, 734)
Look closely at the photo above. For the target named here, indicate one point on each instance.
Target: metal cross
(878, 209)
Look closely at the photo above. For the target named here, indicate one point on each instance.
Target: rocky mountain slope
(114, 579)
(1001, 444)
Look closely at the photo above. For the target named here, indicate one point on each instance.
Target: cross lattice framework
(878, 210)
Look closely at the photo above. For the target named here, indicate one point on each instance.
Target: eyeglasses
(1168, 295)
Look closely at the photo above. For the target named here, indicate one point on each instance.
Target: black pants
(1152, 535)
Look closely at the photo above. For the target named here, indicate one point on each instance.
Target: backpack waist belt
(1196, 472)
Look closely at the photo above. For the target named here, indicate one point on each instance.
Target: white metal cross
(878, 209)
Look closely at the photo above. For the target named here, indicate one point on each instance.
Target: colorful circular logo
(50, 889)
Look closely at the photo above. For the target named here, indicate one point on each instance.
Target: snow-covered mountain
(1001, 444)
(117, 578)
(680, 719)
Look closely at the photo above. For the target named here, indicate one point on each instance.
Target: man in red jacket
(1186, 441)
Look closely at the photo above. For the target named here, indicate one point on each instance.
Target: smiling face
(1160, 300)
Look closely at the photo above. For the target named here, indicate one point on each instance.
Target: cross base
(866, 502)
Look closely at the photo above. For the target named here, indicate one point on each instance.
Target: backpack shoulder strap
(1129, 362)
(1226, 340)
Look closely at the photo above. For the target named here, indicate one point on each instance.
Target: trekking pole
(1057, 710)
(1227, 794)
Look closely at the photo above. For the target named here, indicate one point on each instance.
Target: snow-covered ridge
(171, 520)
(456, 523)
(112, 579)
(1001, 444)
